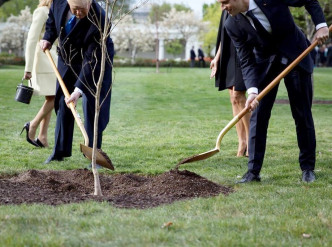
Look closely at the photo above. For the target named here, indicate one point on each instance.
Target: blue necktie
(70, 24)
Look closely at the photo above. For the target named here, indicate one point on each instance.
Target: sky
(195, 5)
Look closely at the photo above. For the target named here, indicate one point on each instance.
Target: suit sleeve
(38, 21)
(313, 8)
(244, 48)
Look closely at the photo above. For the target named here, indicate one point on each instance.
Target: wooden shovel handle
(282, 75)
(67, 95)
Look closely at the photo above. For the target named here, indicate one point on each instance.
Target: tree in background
(14, 7)
(158, 15)
(185, 22)
(211, 14)
(158, 12)
(14, 33)
(174, 47)
(133, 37)
(3, 1)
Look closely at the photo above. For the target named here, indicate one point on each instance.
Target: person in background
(329, 55)
(225, 67)
(39, 71)
(201, 60)
(74, 24)
(267, 40)
(192, 57)
(322, 51)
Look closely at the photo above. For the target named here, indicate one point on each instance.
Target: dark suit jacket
(192, 54)
(200, 54)
(289, 40)
(80, 53)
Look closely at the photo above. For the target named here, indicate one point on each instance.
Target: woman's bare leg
(43, 119)
(238, 100)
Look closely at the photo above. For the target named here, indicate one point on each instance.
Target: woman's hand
(27, 75)
(213, 67)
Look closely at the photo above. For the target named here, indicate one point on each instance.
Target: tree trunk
(133, 54)
(157, 55)
(99, 85)
(97, 186)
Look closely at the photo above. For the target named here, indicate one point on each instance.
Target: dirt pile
(121, 190)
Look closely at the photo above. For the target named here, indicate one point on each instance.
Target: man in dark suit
(79, 63)
(201, 57)
(267, 40)
(192, 57)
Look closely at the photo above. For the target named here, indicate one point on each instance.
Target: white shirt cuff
(78, 90)
(252, 90)
(321, 25)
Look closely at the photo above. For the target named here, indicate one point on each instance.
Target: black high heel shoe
(39, 143)
(27, 127)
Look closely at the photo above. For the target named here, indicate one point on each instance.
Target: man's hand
(73, 98)
(44, 44)
(322, 35)
(251, 102)
(213, 67)
(27, 75)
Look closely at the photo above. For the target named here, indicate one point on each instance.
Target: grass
(157, 120)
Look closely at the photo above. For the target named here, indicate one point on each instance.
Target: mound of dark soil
(121, 190)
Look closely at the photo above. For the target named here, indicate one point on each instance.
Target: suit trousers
(300, 92)
(64, 128)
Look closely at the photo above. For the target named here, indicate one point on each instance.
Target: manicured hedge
(9, 59)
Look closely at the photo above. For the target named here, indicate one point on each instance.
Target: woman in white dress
(39, 70)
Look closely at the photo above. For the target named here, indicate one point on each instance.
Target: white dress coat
(43, 77)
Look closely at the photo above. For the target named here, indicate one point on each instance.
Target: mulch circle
(121, 190)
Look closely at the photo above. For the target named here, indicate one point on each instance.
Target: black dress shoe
(26, 127)
(39, 143)
(249, 177)
(308, 176)
(53, 158)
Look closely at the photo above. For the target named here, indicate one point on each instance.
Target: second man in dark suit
(267, 40)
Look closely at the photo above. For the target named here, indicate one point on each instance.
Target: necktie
(259, 27)
(70, 24)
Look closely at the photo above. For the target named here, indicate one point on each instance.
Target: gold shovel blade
(198, 157)
(101, 159)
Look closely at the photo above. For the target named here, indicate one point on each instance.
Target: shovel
(102, 158)
(259, 97)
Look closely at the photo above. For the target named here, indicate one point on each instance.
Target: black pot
(23, 93)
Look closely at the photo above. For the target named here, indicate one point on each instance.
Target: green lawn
(156, 121)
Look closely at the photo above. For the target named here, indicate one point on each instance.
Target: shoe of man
(308, 176)
(249, 177)
(53, 158)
